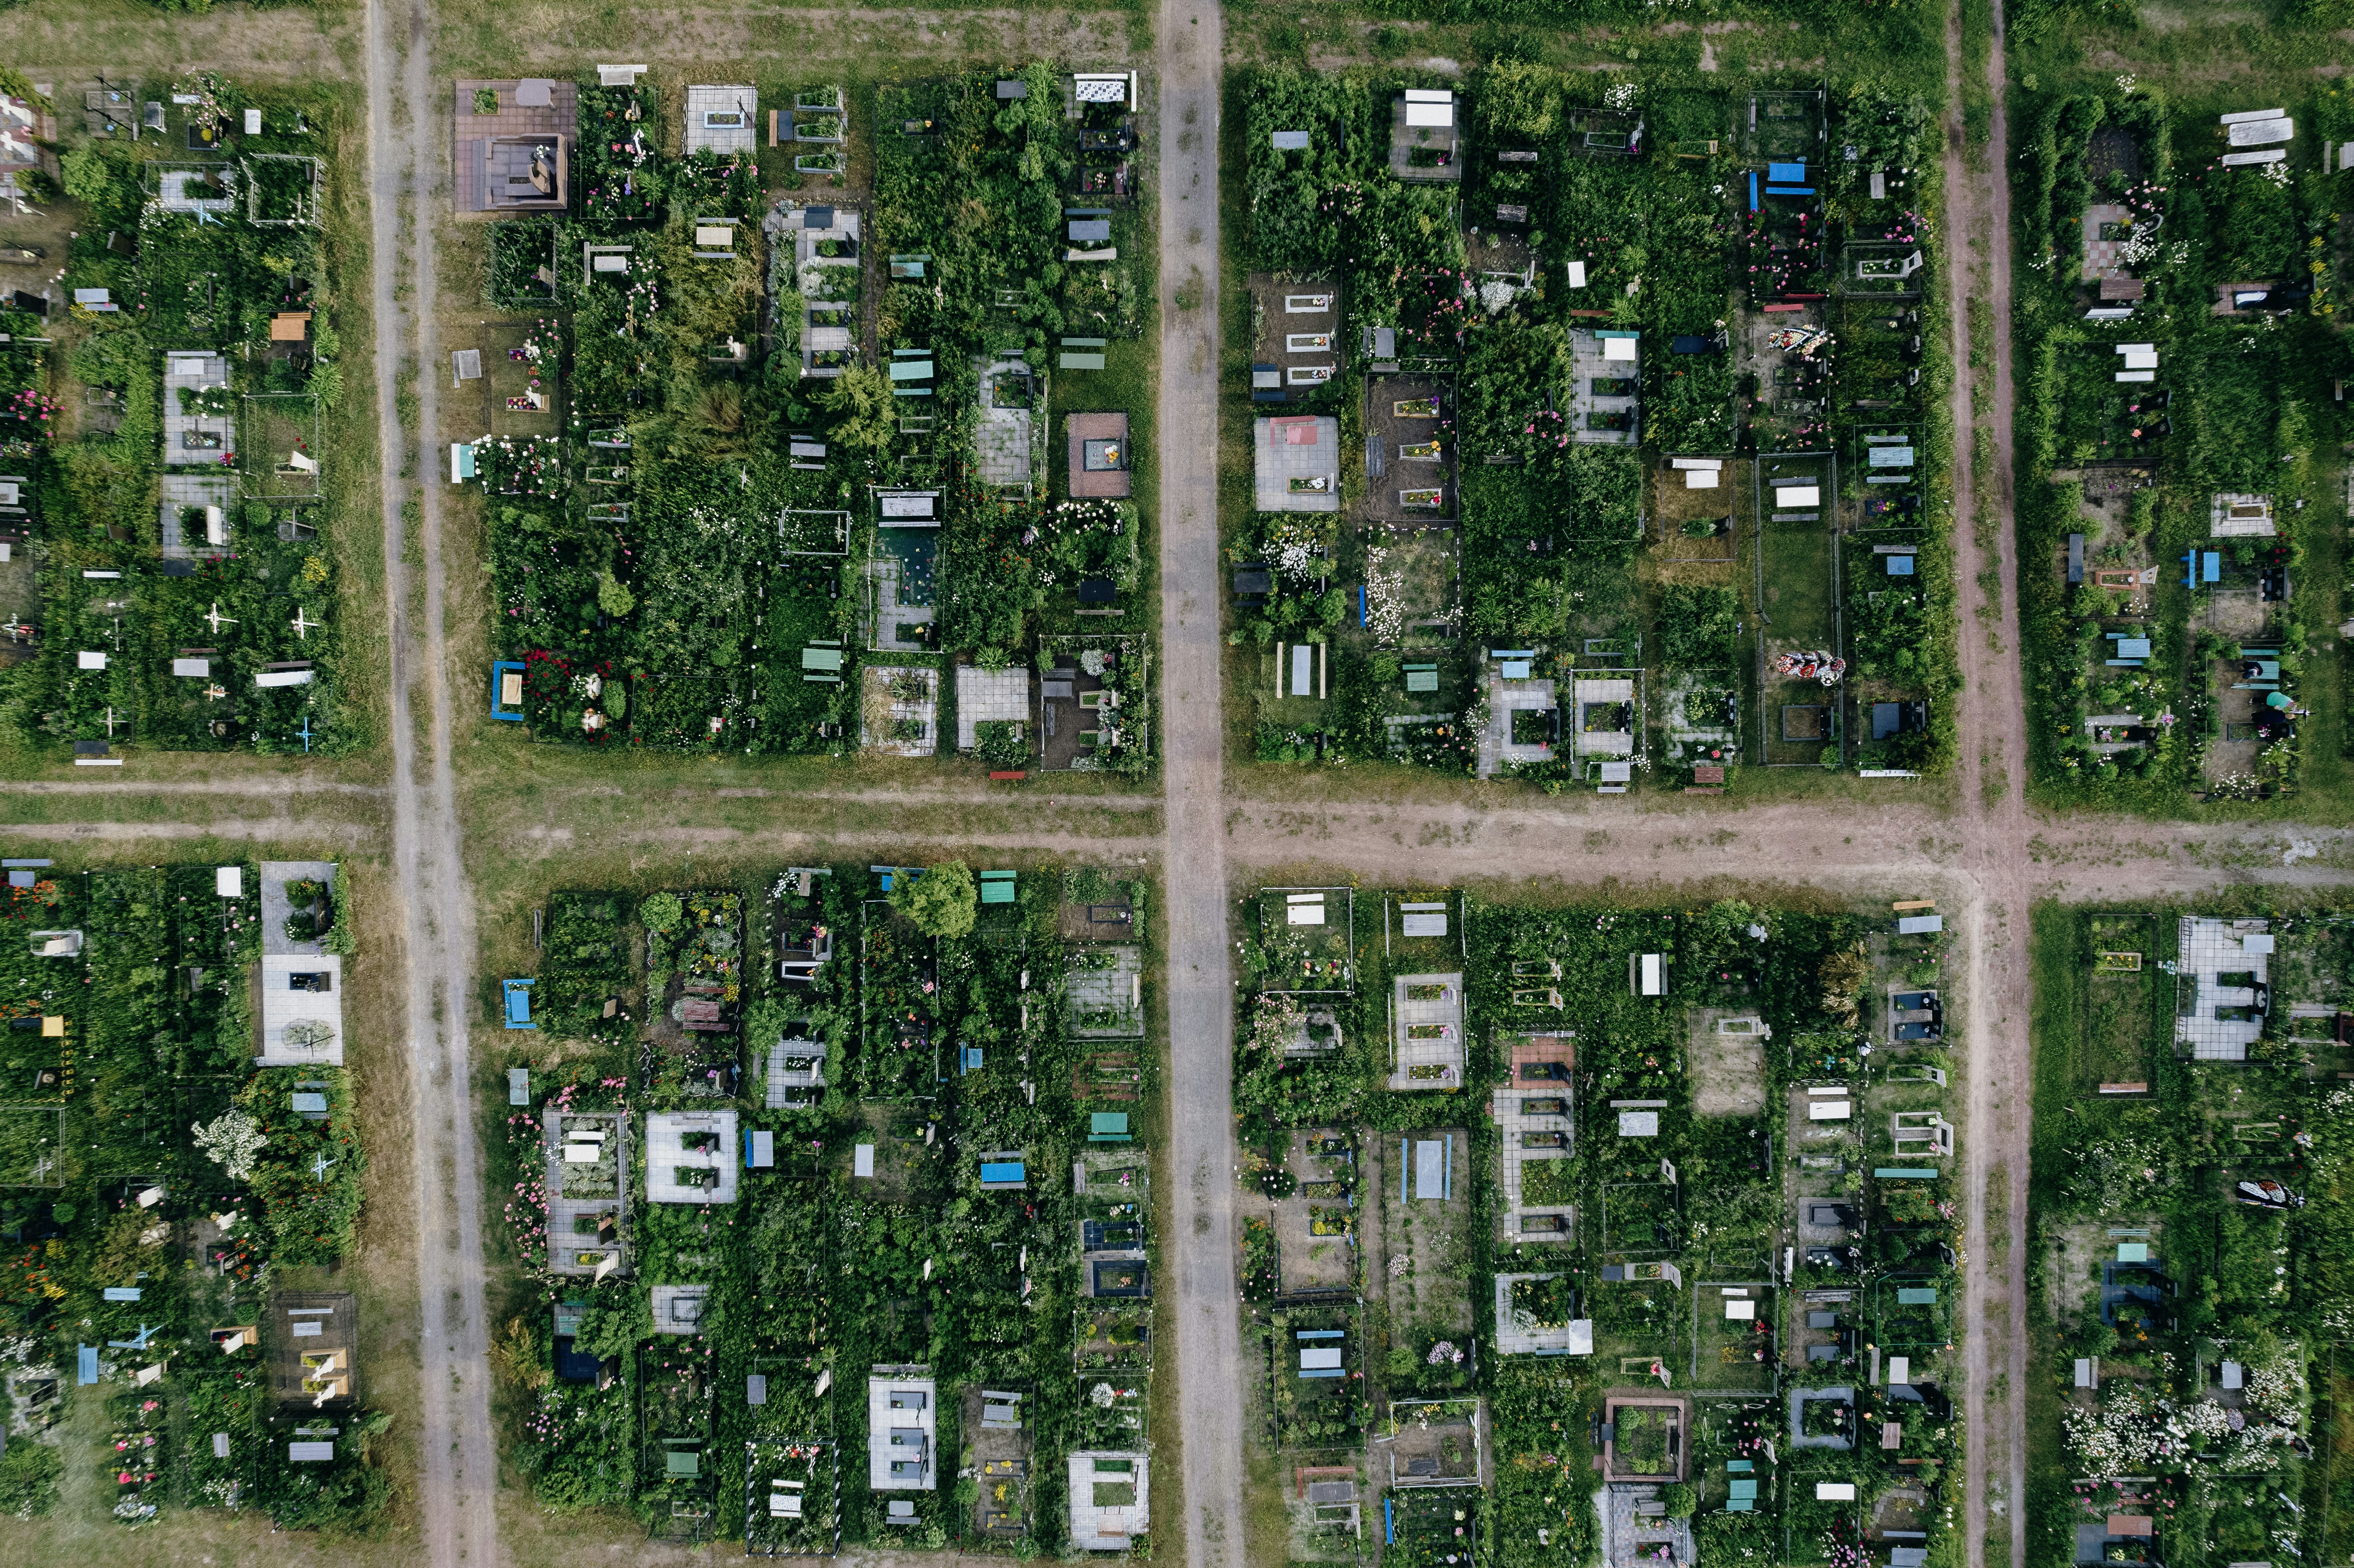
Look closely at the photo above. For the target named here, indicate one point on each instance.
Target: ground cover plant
(682, 510)
(2170, 508)
(161, 1185)
(1589, 210)
(803, 1274)
(173, 431)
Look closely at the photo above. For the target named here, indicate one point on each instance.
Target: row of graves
(774, 471)
(2181, 348)
(1681, 1220)
(1485, 456)
(1360, 1225)
(179, 1177)
(170, 326)
(2187, 1328)
(1850, 584)
(842, 1225)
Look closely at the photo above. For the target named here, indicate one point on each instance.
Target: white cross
(319, 1168)
(110, 723)
(216, 620)
(303, 625)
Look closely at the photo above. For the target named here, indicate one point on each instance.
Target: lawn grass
(1795, 598)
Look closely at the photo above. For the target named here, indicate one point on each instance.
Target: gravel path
(1994, 925)
(459, 1471)
(1208, 1364)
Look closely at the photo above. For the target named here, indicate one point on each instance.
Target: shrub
(941, 902)
(29, 1478)
(1001, 743)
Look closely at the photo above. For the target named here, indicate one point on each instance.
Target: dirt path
(1998, 838)
(2006, 692)
(455, 1504)
(1208, 1364)
(260, 784)
(450, 1280)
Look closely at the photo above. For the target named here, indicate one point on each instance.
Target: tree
(613, 596)
(84, 173)
(516, 1355)
(1680, 1500)
(859, 401)
(941, 902)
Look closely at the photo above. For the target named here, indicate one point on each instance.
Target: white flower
(232, 1142)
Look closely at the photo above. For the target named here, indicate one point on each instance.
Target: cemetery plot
(1410, 460)
(1735, 1345)
(940, 1193)
(522, 392)
(190, 1169)
(1800, 660)
(1735, 1463)
(791, 1498)
(1317, 1213)
(200, 353)
(1793, 349)
(1095, 702)
(1703, 658)
(1298, 348)
(1427, 1528)
(899, 1056)
(2118, 996)
(1305, 939)
(1438, 1443)
(1424, 1199)
(1314, 1355)
(1696, 504)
